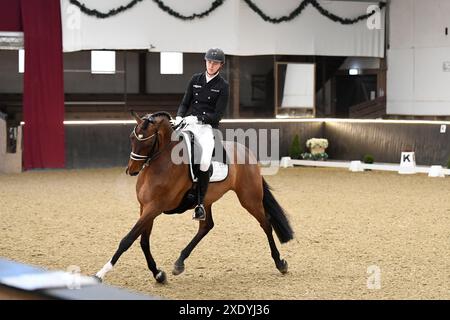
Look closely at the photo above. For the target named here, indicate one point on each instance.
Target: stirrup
(199, 213)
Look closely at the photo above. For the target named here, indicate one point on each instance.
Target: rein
(150, 158)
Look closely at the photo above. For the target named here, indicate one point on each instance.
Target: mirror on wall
(295, 89)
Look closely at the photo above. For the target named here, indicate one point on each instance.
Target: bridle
(138, 157)
(155, 146)
(151, 155)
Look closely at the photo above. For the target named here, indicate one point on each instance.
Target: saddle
(218, 170)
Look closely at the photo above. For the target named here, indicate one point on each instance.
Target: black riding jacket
(208, 100)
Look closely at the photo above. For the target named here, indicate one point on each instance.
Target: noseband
(139, 137)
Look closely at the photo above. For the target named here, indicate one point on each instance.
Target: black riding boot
(202, 187)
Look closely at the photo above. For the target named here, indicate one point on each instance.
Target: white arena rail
(346, 165)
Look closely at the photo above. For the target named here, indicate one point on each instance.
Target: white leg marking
(106, 268)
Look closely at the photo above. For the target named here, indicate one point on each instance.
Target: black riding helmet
(215, 54)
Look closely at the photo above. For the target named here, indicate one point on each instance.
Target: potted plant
(295, 149)
(368, 158)
(317, 148)
(317, 145)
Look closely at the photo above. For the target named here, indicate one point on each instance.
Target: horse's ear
(136, 117)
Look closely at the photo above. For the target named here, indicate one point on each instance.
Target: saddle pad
(220, 172)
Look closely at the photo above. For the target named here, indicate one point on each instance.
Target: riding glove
(175, 122)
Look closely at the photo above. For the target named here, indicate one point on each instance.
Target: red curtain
(10, 16)
(43, 98)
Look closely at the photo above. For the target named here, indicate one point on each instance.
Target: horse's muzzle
(127, 171)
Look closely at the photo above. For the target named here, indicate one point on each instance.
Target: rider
(207, 97)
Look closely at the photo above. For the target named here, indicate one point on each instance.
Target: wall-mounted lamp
(353, 72)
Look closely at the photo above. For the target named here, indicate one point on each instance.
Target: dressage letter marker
(407, 163)
(356, 166)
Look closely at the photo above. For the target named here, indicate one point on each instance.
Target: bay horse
(161, 185)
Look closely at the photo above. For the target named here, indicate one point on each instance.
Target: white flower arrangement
(317, 143)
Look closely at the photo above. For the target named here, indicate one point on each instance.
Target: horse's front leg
(159, 275)
(146, 219)
(204, 227)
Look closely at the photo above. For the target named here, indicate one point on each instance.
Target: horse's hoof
(100, 280)
(177, 269)
(283, 267)
(161, 277)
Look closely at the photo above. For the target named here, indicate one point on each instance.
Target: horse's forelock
(145, 123)
(150, 118)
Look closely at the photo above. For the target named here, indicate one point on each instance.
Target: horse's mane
(161, 114)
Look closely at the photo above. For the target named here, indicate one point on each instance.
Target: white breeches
(204, 137)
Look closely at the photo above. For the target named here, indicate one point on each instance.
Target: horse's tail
(277, 216)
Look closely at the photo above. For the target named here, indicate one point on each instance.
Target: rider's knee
(204, 166)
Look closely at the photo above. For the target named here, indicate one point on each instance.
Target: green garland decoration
(289, 17)
(316, 5)
(218, 3)
(160, 3)
(102, 15)
(336, 18)
(214, 6)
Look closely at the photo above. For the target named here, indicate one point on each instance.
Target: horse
(162, 184)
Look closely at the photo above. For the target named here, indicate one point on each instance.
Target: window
(103, 62)
(171, 63)
(295, 89)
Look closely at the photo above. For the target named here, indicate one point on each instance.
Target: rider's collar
(209, 77)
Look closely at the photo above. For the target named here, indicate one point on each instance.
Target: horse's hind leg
(159, 275)
(255, 207)
(203, 229)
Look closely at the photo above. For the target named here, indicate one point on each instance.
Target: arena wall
(107, 145)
